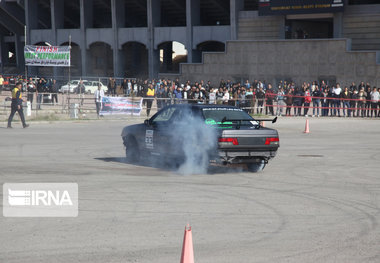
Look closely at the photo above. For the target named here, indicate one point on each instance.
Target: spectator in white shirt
(336, 94)
(226, 96)
(99, 94)
(375, 97)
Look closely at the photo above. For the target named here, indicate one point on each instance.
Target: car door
(159, 131)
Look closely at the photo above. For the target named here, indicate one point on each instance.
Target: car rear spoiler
(272, 120)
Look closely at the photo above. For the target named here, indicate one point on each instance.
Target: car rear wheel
(132, 150)
(256, 167)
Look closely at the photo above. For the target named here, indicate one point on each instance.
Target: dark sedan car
(197, 135)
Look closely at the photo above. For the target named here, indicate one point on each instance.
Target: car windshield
(164, 115)
(227, 116)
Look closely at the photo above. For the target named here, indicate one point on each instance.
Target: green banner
(47, 56)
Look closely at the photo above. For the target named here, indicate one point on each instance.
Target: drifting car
(220, 134)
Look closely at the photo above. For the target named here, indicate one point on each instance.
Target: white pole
(68, 90)
(70, 60)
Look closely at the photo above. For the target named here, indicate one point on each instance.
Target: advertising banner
(121, 105)
(286, 7)
(47, 56)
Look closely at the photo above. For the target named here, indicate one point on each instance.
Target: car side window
(181, 114)
(164, 116)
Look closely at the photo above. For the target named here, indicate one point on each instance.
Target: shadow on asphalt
(167, 167)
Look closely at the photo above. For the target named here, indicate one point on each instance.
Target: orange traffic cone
(307, 127)
(187, 248)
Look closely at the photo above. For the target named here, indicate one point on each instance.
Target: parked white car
(73, 86)
(91, 86)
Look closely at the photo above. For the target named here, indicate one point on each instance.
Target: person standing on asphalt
(289, 102)
(325, 102)
(54, 91)
(31, 89)
(281, 105)
(149, 100)
(375, 97)
(260, 95)
(368, 101)
(269, 94)
(297, 101)
(40, 89)
(17, 106)
(317, 94)
(354, 102)
(361, 103)
(124, 87)
(307, 96)
(110, 86)
(99, 94)
(160, 94)
(81, 89)
(336, 95)
(1, 83)
(346, 97)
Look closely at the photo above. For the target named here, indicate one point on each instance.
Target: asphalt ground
(317, 201)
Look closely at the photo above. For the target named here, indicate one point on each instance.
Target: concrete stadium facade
(129, 38)
(295, 60)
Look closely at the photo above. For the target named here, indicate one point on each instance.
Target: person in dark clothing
(352, 87)
(260, 95)
(124, 86)
(368, 102)
(143, 88)
(325, 102)
(165, 96)
(54, 91)
(269, 102)
(297, 101)
(289, 102)
(40, 89)
(111, 87)
(160, 94)
(16, 105)
(81, 88)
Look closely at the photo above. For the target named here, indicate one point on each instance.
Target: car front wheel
(132, 150)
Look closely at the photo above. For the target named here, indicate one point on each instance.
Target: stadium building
(268, 39)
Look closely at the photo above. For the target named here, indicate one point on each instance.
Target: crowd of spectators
(256, 97)
(39, 88)
(285, 99)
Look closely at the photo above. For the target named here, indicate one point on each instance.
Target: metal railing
(85, 103)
